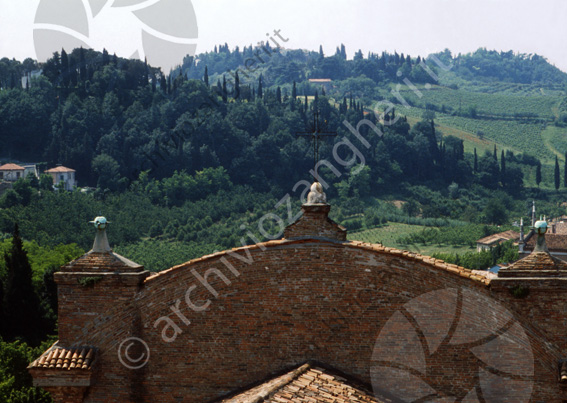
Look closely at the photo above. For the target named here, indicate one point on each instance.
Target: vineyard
(402, 236)
(501, 105)
(519, 122)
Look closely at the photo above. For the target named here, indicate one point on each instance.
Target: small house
(11, 172)
(63, 175)
(495, 239)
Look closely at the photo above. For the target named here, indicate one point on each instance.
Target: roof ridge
(437, 263)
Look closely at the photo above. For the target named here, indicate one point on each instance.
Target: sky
(415, 27)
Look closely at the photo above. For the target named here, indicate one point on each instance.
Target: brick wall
(297, 301)
(410, 325)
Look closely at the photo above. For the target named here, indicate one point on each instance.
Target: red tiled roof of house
(307, 384)
(57, 357)
(502, 236)
(11, 167)
(59, 169)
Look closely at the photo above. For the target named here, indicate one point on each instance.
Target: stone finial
(316, 194)
(101, 244)
(540, 228)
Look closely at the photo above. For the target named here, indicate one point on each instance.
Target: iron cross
(316, 134)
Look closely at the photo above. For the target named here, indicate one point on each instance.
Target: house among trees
(63, 177)
(495, 239)
(325, 83)
(11, 172)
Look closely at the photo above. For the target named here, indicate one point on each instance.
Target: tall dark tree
(279, 94)
(495, 154)
(82, 65)
(557, 175)
(260, 91)
(224, 91)
(294, 96)
(538, 174)
(206, 78)
(321, 54)
(163, 84)
(22, 311)
(236, 86)
(343, 52)
(65, 72)
(105, 57)
(503, 169)
(475, 166)
(565, 172)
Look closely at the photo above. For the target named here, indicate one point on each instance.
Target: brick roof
(57, 357)
(502, 236)
(102, 262)
(11, 167)
(308, 383)
(378, 248)
(60, 169)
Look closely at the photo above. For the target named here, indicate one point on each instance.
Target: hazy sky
(417, 27)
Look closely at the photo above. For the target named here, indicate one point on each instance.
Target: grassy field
(388, 234)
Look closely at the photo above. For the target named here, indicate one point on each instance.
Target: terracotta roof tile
(502, 236)
(11, 167)
(58, 357)
(60, 169)
(308, 383)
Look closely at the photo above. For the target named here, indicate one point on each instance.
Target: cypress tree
(557, 175)
(105, 57)
(21, 304)
(236, 86)
(565, 172)
(224, 92)
(294, 95)
(475, 167)
(306, 103)
(279, 95)
(321, 54)
(260, 92)
(538, 174)
(495, 154)
(65, 72)
(503, 169)
(82, 65)
(206, 78)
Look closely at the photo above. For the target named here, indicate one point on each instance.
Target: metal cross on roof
(316, 133)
